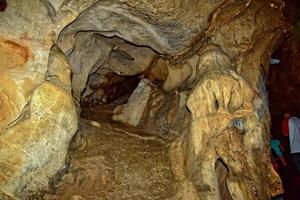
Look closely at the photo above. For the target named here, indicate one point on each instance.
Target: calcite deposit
(195, 68)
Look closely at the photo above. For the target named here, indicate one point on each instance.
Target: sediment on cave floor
(108, 162)
(138, 99)
(129, 120)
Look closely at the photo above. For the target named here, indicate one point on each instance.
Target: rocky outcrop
(35, 149)
(38, 117)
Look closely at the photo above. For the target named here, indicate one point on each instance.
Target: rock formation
(206, 60)
(38, 116)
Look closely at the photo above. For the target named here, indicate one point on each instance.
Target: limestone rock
(88, 55)
(38, 118)
(176, 76)
(219, 49)
(132, 112)
(224, 112)
(182, 75)
(178, 116)
(144, 23)
(59, 71)
(35, 149)
(129, 60)
(159, 71)
(23, 56)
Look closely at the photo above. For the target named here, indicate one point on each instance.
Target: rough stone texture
(87, 56)
(140, 169)
(228, 117)
(129, 60)
(163, 25)
(218, 51)
(37, 118)
(177, 75)
(35, 148)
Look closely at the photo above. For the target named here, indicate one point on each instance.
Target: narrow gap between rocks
(222, 172)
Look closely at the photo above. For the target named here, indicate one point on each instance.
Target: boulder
(38, 116)
(132, 112)
(35, 149)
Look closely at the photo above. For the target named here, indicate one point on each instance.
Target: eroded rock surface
(38, 117)
(211, 56)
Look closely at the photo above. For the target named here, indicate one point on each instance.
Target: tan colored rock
(226, 126)
(38, 118)
(35, 149)
(160, 71)
(59, 71)
(217, 46)
(176, 76)
(23, 56)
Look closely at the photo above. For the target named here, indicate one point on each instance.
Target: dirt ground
(110, 163)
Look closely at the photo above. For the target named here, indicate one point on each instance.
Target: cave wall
(217, 52)
(38, 117)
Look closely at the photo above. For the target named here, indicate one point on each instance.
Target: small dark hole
(3, 5)
(216, 105)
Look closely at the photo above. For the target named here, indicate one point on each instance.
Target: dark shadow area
(284, 96)
(222, 175)
(3, 5)
(102, 98)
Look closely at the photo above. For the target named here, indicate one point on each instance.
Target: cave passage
(142, 99)
(128, 120)
(101, 99)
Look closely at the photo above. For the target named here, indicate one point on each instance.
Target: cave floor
(108, 162)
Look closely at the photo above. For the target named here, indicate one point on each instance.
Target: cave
(134, 99)
(283, 91)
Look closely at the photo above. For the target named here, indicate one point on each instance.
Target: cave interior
(161, 99)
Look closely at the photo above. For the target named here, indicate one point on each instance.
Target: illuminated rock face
(38, 117)
(216, 52)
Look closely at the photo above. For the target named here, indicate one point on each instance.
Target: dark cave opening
(126, 85)
(103, 94)
(106, 72)
(113, 90)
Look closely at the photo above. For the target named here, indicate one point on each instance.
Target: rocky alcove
(162, 99)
